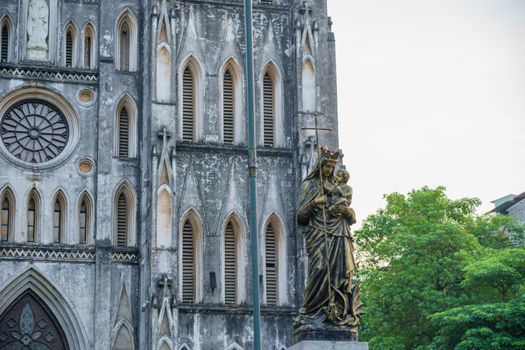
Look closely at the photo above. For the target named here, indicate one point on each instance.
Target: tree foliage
(425, 254)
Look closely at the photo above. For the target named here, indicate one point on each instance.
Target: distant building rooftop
(503, 204)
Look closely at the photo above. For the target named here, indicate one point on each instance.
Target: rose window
(34, 131)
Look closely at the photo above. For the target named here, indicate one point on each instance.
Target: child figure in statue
(341, 193)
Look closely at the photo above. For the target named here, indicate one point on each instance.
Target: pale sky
(431, 92)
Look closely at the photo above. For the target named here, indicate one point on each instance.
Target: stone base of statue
(329, 345)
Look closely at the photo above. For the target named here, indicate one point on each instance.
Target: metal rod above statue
(252, 164)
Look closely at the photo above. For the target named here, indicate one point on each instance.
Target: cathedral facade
(123, 170)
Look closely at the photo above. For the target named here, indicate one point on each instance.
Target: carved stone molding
(48, 74)
(23, 252)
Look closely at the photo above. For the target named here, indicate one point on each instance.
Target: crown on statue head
(331, 155)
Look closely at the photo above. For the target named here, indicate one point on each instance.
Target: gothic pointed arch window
(231, 103)
(309, 94)
(188, 105)
(271, 107)
(84, 219)
(163, 78)
(7, 209)
(28, 323)
(274, 261)
(59, 218)
(126, 43)
(5, 39)
(70, 56)
(124, 226)
(191, 258)
(190, 100)
(33, 215)
(228, 105)
(268, 110)
(88, 47)
(126, 128)
(233, 261)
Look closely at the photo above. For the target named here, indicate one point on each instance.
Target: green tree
(422, 255)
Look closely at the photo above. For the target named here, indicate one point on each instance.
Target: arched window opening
(164, 219)
(28, 320)
(4, 41)
(58, 221)
(268, 110)
(163, 85)
(89, 47)
(271, 266)
(308, 87)
(125, 43)
(5, 224)
(228, 107)
(122, 220)
(69, 47)
(83, 222)
(188, 105)
(188, 263)
(32, 215)
(230, 264)
(123, 133)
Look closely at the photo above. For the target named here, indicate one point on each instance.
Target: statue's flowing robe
(338, 245)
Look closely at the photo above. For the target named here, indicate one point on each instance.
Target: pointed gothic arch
(274, 260)
(124, 208)
(85, 218)
(33, 280)
(164, 217)
(234, 346)
(231, 85)
(163, 77)
(70, 45)
(6, 39)
(271, 102)
(165, 343)
(59, 217)
(233, 260)
(33, 208)
(308, 86)
(126, 42)
(184, 347)
(125, 128)
(89, 48)
(190, 99)
(123, 336)
(191, 257)
(7, 214)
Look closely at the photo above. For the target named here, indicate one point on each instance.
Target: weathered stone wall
(116, 290)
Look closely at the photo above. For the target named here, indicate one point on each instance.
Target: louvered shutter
(188, 264)
(122, 220)
(123, 133)
(4, 42)
(268, 110)
(230, 265)
(69, 49)
(228, 108)
(4, 220)
(271, 266)
(124, 46)
(57, 222)
(188, 106)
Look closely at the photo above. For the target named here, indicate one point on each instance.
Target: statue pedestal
(329, 345)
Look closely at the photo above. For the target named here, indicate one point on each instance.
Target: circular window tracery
(34, 131)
